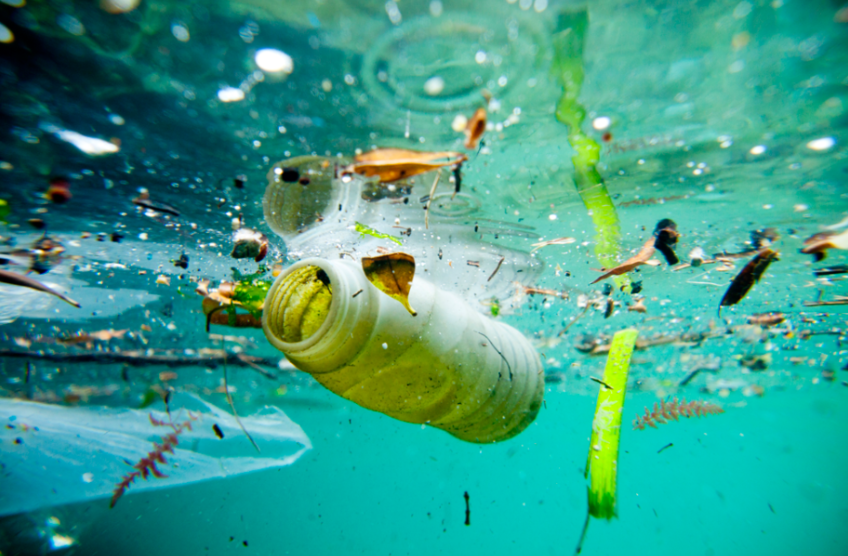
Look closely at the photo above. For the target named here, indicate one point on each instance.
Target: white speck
(821, 144)
(88, 477)
(385, 345)
(230, 94)
(142, 236)
(502, 81)
(89, 145)
(726, 144)
(349, 79)
(180, 31)
(480, 57)
(435, 8)
(540, 5)
(393, 12)
(273, 61)
(601, 122)
(434, 85)
(759, 149)
(768, 207)
(116, 119)
(459, 123)
(552, 217)
(800, 208)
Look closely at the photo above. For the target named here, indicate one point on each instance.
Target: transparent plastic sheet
(58, 455)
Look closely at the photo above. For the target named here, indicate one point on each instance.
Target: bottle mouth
(298, 304)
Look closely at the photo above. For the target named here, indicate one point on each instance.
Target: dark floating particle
(238, 181)
(303, 181)
(831, 270)
(58, 190)
(37, 223)
(607, 289)
(218, 432)
(747, 277)
(467, 509)
(669, 445)
(290, 175)
(636, 287)
(666, 238)
(182, 262)
(116, 237)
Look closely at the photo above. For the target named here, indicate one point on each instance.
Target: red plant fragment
(665, 411)
(146, 466)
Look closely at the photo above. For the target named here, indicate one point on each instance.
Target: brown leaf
(394, 164)
(392, 274)
(639, 259)
(747, 277)
(475, 128)
(818, 244)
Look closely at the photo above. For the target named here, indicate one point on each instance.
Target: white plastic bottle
(449, 366)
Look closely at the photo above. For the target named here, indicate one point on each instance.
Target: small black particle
(244, 543)
(218, 432)
(238, 182)
(303, 181)
(232, 539)
(117, 237)
(290, 175)
(19, 440)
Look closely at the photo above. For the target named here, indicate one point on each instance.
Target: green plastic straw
(602, 464)
(568, 42)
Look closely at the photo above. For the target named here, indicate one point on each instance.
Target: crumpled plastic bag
(54, 455)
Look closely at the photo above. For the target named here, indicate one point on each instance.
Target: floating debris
(475, 128)
(673, 410)
(747, 277)
(59, 190)
(143, 200)
(182, 262)
(557, 241)
(392, 274)
(15, 279)
(366, 231)
(666, 238)
(641, 258)
(831, 270)
(394, 164)
(249, 244)
(818, 244)
(767, 319)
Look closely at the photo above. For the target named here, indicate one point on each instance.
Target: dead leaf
(818, 244)
(392, 274)
(642, 257)
(747, 277)
(395, 164)
(475, 128)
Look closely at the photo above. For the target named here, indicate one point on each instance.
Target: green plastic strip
(603, 449)
(568, 43)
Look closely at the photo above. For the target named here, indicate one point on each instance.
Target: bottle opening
(303, 300)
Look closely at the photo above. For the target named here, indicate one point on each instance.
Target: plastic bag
(57, 455)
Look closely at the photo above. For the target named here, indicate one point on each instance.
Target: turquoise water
(727, 117)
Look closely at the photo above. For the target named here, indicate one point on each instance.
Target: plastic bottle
(449, 366)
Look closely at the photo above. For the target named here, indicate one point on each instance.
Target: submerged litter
(58, 455)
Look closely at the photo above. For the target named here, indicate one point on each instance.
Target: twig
(139, 358)
(499, 353)
(578, 317)
(430, 200)
(233, 407)
(599, 381)
(497, 268)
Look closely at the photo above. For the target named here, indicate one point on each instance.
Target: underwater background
(134, 133)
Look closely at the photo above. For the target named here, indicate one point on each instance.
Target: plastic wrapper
(57, 455)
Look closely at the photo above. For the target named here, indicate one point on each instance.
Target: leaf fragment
(392, 274)
(747, 277)
(475, 128)
(640, 258)
(366, 231)
(392, 164)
